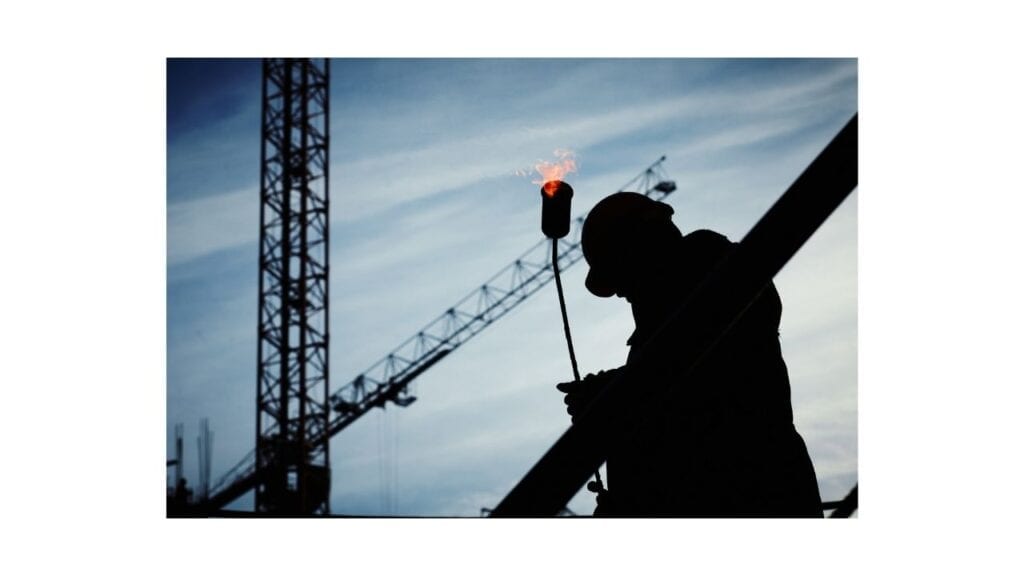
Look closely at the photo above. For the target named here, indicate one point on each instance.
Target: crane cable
(598, 485)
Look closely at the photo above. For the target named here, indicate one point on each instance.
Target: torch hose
(561, 302)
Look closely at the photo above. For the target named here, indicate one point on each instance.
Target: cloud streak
(207, 225)
(375, 183)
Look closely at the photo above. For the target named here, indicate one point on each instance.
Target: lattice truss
(292, 408)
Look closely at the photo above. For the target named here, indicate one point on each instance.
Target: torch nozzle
(556, 198)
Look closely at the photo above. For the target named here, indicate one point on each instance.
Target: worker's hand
(605, 502)
(579, 395)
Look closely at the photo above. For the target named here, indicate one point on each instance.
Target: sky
(427, 202)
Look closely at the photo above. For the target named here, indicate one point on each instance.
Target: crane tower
(292, 412)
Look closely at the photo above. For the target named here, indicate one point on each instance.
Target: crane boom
(388, 379)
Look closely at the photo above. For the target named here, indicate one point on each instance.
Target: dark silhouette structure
(292, 468)
(724, 444)
(638, 396)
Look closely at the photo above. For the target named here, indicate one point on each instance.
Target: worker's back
(725, 444)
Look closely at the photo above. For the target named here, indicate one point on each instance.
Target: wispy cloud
(203, 226)
(465, 159)
(389, 178)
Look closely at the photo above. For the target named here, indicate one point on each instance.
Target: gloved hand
(605, 502)
(579, 395)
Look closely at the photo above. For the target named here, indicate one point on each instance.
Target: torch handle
(598, 485)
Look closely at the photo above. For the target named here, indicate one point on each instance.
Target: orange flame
(557, 170)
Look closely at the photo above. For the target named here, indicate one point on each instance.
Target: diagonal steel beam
(704, 317)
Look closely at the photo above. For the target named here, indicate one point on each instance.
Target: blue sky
(426, 205)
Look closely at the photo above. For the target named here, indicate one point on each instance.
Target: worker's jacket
(724, 445)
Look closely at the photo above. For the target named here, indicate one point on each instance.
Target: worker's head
(621, 240)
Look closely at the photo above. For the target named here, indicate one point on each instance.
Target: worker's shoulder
(705, 238)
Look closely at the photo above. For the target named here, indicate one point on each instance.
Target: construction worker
(724, 445)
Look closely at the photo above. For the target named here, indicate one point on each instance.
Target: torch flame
(552, 171)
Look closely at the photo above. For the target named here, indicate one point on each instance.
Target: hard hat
(609, 231)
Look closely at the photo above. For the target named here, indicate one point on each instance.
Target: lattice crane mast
(388, 379)
(290, 464)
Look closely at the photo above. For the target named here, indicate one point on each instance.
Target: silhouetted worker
(725, 444)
